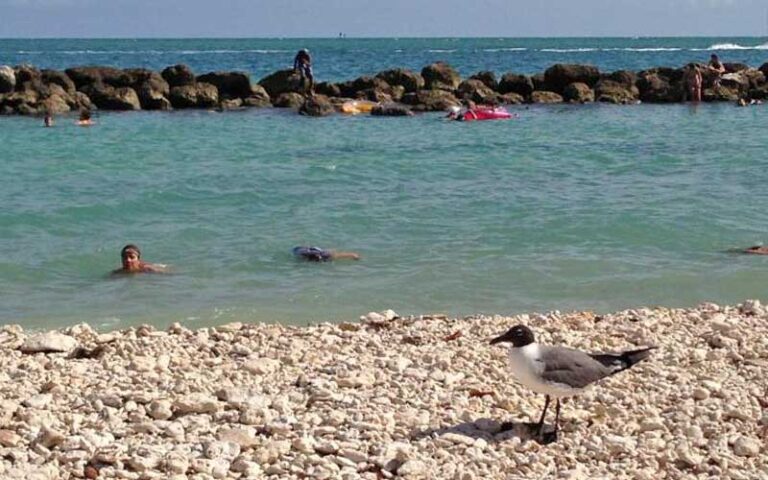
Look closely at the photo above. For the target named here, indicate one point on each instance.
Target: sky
(381, 18)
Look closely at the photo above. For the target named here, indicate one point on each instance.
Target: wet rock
(545, 97)
(7, 79)
(282, 81)
(289, 100)
(430, 100)
(391, 110)
(230, 84)
(440, 75)
(198, 95)
(578, 93)
(515, 83)
(316, 106)
(560, 75)
(178, 75)
(409, 80)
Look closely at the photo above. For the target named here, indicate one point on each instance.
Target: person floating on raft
(478, 112)
(317, 254)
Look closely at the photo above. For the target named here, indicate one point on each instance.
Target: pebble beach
(384, 397)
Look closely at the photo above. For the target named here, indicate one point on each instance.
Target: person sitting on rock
(85, 118)
(130, 257)
(717, 67)
(693, 82)
(302, 64)
(317, 254)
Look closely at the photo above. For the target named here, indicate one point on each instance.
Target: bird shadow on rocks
(491, 431)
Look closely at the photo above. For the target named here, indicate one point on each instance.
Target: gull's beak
(501, 338)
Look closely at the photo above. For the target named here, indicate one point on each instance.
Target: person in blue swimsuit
(317, 254)
(302, 64)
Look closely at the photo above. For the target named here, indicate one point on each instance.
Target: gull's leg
(540, 426)
(557, 416)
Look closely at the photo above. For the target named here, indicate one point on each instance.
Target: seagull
(560, 371)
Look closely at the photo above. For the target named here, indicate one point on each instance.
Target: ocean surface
(596, 207)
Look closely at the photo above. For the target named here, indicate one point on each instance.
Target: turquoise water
(567, 207)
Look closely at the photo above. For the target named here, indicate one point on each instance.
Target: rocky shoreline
(27, 90)
(386, 397)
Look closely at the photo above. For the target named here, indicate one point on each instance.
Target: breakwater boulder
(24, 89)
(7, 79)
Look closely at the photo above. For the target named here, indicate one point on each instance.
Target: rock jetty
(27, 90)
(387, 397)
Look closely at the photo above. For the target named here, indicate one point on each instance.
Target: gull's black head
(519, 336)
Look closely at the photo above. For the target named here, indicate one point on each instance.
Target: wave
(441, 50)
(146, 52)
(733, 46)
(642, 49)
(568, 50)
(510, 49)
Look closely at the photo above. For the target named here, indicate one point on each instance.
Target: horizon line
(364, 37)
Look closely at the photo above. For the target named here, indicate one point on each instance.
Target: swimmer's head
(455, 109)
(130, 256)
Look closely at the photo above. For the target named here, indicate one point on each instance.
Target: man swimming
(130, 256)
(316, 254)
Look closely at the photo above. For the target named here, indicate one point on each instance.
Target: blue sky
(381, 18)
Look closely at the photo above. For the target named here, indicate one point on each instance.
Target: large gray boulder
(430, 100)
(107, 97)
(56, 77)
(544, 96)
(488, 78)
(611, 91)
(656, 88)
(409, 80)
(316, 106)
(578, 92)
(441, 76)
(560, 75)
(258, 98)
(477, 91)
(230, 84)
(7, 79)
(515, 83)
(289, 100)
(178, 75)
(92, 75)
(198, 95)
(282, 81)
(391, 110)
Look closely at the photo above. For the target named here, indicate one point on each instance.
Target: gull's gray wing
(570, 367)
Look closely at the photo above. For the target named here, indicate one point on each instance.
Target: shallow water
(568, 207)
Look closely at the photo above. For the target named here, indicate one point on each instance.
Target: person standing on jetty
(302, 64)
(130, 257)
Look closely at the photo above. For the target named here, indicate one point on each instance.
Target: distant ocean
(594, 207)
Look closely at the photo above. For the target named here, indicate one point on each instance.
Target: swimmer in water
(316, 254)
(85, 119)
(756, 250)
(130, 256)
